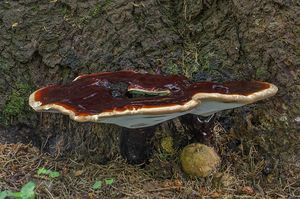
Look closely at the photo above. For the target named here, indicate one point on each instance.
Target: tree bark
(44, 42)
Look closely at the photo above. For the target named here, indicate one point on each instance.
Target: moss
(6, 5)
(192, 62)
(172, 69)
(206, 61)
(66, 73)
(35, 8)
(195, 61)
(167, 144)
(94, 12)
(261, 73)
(297, 88)
(189, 70)
(16, 104)
(65, 9)
(4, 66)
(297, 105)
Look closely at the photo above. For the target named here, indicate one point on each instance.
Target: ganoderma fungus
(137, 101)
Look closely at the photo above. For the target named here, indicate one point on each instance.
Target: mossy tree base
(44, 42)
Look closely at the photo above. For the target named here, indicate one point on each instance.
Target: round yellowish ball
(199, 160)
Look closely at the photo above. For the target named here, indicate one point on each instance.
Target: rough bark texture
(43, 42)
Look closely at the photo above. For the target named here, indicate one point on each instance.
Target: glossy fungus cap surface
(136, 100)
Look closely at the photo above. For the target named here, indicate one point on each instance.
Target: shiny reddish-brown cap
(136, 100)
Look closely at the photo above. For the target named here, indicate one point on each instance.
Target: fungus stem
(136, 144)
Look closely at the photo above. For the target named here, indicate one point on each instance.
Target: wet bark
(45, 42)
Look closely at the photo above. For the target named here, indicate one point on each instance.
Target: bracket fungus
(134, 100)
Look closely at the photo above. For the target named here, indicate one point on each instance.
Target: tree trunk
(46, 42)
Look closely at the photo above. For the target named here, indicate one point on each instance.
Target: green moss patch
(16, 104)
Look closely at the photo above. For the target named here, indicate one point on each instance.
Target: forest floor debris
(240, 176)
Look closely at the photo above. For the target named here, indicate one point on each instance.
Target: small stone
(178, 183)
(14, 25)
(297, 119)
(215, 195)
(223, 180)
(283, 118)
(247, 190)
(199, 160)
(78, 173)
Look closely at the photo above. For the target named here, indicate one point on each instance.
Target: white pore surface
(140, 121)
(205, 108)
